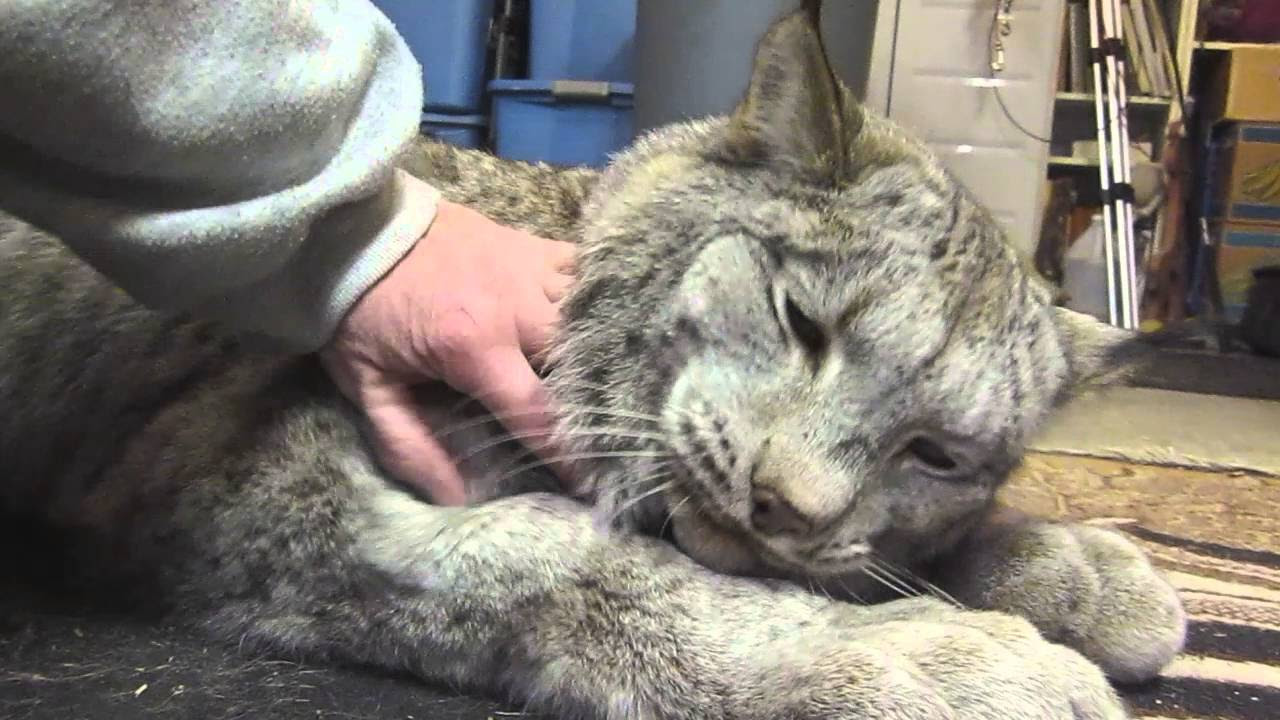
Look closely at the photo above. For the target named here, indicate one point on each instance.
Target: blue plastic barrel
(450, 39)
(561, 122)
(582, 39)
(461, 130)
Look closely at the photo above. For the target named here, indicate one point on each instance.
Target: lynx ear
(1099, 354)
(796, 115)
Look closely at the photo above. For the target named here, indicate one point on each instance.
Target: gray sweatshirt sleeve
(233, 159)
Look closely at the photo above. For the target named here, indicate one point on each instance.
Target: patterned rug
(1217, 535)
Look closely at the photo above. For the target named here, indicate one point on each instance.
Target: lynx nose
(793, 490)
(773, 515)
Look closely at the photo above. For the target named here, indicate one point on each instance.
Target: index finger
(410, 451)
(507, 385)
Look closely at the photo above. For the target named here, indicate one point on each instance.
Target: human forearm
(234, 159)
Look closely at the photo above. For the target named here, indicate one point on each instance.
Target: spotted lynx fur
(797, 364)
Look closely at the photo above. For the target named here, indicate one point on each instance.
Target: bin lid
(573, 90)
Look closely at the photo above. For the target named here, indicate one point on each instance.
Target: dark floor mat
(72, 664)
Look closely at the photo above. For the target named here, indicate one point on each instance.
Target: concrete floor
(1166, 427)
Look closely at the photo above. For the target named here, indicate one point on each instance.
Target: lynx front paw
(1138, 623)
(959, 666)
(1089, 588)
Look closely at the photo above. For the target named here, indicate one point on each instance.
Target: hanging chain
(1004, 27)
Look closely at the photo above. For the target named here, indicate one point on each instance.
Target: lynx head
(798, 340)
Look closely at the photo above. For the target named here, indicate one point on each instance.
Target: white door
(930, 72)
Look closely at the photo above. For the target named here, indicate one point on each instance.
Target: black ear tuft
(796, 115)
(814, 8)
(1099, 354)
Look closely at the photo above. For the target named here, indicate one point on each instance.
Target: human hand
(467, 305)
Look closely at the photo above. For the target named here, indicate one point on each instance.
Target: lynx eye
(931, 455)
(805, 330)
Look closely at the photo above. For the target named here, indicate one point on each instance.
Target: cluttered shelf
(1147, 46)
(1069, 161)
(1151, 82)
(1229, 45)
(1206, 187)
(1074, 133)
(1074, 118)
(1141, 102)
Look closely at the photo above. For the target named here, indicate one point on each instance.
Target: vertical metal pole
(1124, 202)
(1104, 163)
(1118, 146)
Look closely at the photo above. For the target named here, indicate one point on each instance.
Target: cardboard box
(1244, 174)
(1242, 248)
(1246, 85)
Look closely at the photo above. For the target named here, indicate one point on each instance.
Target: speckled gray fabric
(235, 159)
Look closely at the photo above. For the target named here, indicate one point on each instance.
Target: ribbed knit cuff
(347, 251)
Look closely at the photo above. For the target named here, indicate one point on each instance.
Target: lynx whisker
(560, 383)
(672, 513)
(908, 577)
(488, 418)
(632, 502)
(613, 432)
(570, 457)
(822, 589)
(892, 584)
(843, 586)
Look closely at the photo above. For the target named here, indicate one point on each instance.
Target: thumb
(408, 449)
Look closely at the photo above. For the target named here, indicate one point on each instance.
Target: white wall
(929, 72)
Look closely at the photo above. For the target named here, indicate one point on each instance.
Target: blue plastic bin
(450, 39)
(563, 122)
(461, 130)
(582, 39)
